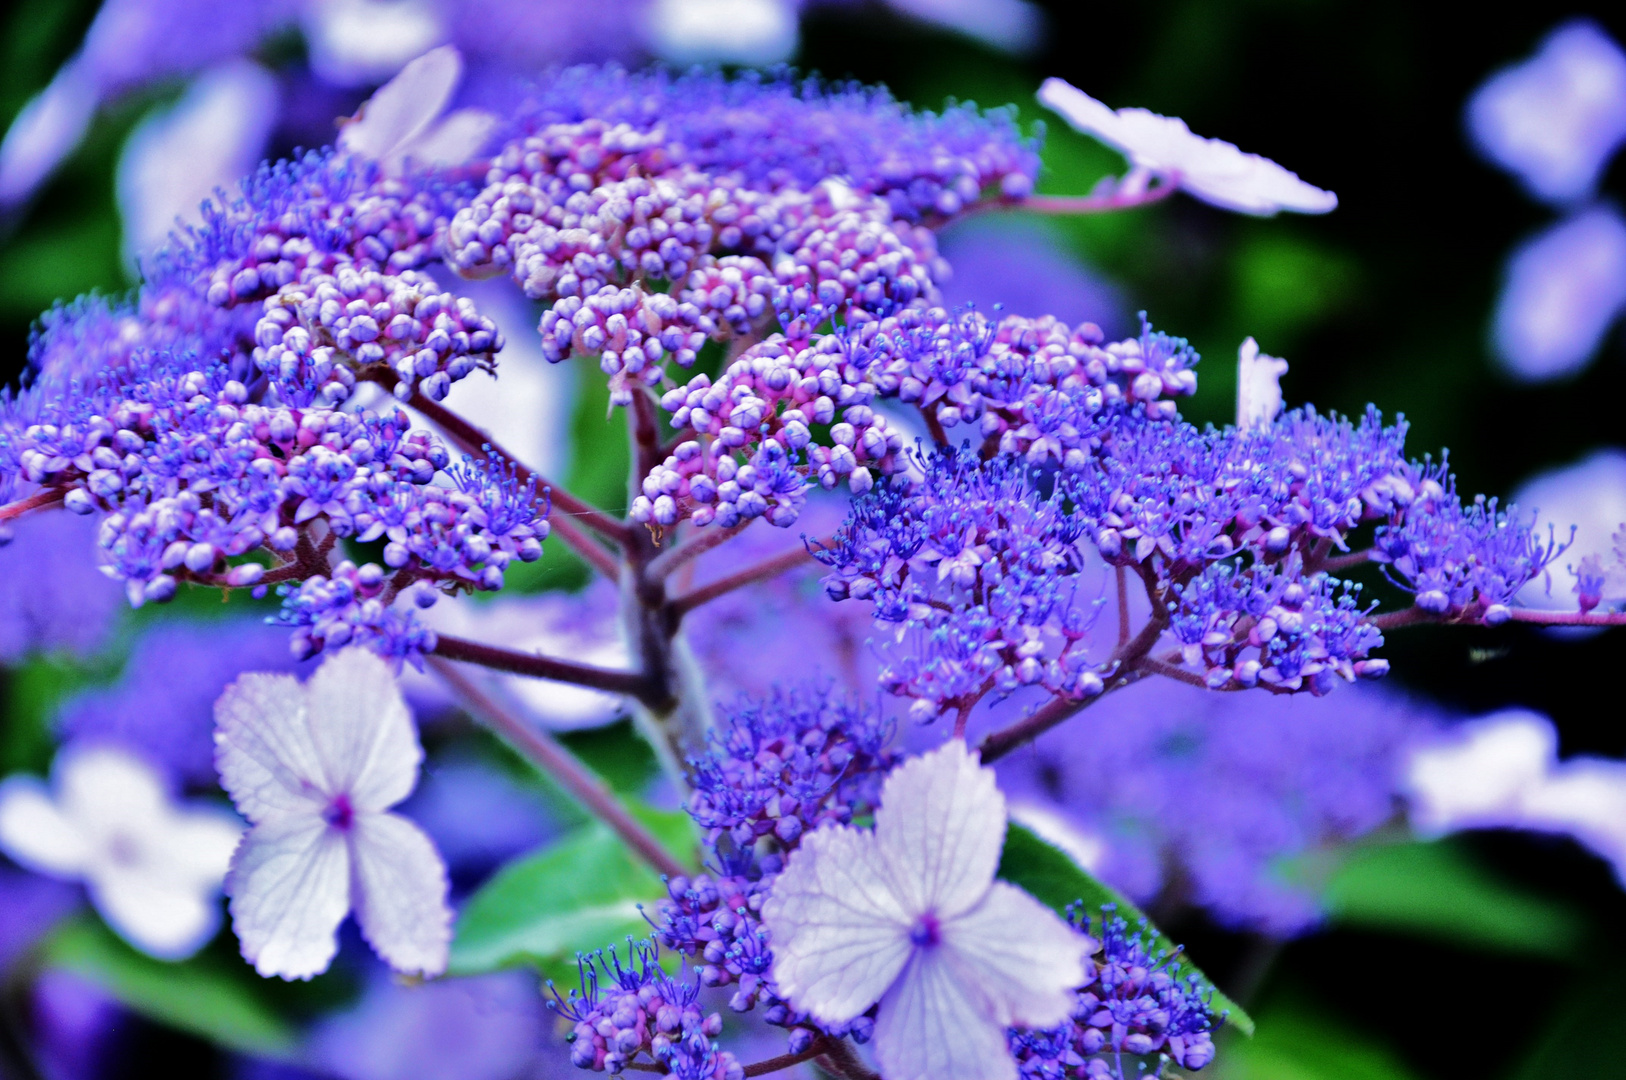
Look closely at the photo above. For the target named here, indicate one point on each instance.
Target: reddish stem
(1569, 618)
(549, 755)
(1093, 204)
(543, 667)
(37, 501)
(750, 575)
(662, 565)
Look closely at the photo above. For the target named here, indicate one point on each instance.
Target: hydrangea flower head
(1212, 170)
(153, 869)
(316, 769)
(910, 916)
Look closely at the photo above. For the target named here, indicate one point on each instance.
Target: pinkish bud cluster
(630, 330)
(327, 329)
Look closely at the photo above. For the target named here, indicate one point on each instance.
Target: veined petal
(290, 888)
(400, 893)
(840, 935)
(363, 731)
(1024, 959)
(267, 760)
(160, 916)
(404, 107)
(934, 1025)
(37, 834)
(940, 826)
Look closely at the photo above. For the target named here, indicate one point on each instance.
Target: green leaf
(199, 996)
(1295, 1043)
(1052, 876)
(1437, 890)
(579, 894)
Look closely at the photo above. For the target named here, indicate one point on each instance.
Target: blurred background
(1471, 278)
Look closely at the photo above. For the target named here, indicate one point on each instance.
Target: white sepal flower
(1212, 170)
(1258, 386)
(153, 869)
(316, 768)
(402, 123)
(910, 915)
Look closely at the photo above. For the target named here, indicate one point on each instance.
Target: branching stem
(749, 576)
(37, 501)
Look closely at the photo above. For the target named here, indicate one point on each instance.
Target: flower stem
(839, 1059)
(543, 667)
(553, 759)
(785, 1061)
(750, 575)
(1093, 204)
(1569, 618)
(37, 501)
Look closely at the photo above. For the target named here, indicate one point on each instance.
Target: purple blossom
(51, 594)
(1133, 1002)
(1182, 795)
(1563, 291)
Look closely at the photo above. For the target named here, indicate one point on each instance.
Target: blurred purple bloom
(1010, 25)
(1555, 119)
(163, 704)
(1218, 792)
(51, 594)
(1563, 291)
(30, 905)
(487, 1028)
(756, 32)
(1023, 267)
(77, 1027)
(1590, 496)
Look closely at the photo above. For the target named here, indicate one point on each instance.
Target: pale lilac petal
(453, 141)
(755, 32)
(1564, 290)
(1212, 170)
(1556, 119)
(363, 731)
(1586, 798)
(1478, 775)
(940, 828)
(159, 915)
(111, 794)
(353, 42)
(1589, 496)
(177, 157)
(1012, 25)
(46, 131)
(839, 934)
(934, 1025)
(199, 846)
(37, 834)
(400, 893)
(1258, 386)
(268, 762)
(290, 888)
(404, 107)
(1021, 955)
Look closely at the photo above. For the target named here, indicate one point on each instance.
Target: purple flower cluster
(776, 769)
(624, 1012)
(783, 766)
(1133, 1003)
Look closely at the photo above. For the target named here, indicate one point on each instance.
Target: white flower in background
(1591, 496)
(316, 768)
(354, 42)
(755, 32)
(1563, 290)
(403, 121)
(1212, 170)
(1012, 25)
(176, 158)
(1258, 386)
(153, 869)
(910, 915)
(1503, 772)
(45, 132)
(1556, 119)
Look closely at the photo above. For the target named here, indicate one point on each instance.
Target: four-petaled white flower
(1212, 170)
(1258, 386)
(316, 769)
(153, 869)
(910, 915)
